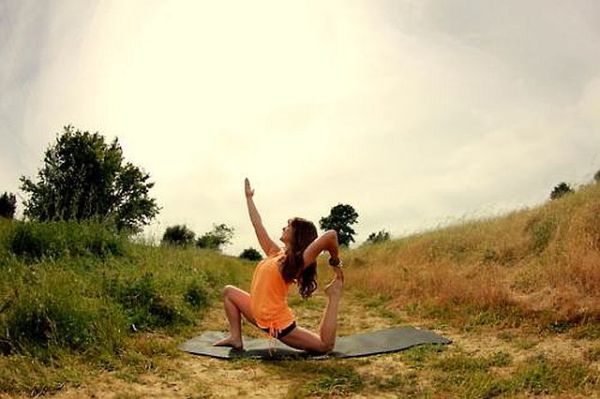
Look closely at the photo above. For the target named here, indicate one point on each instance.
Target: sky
(418, 114)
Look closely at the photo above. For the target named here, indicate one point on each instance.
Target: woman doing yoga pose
(266, 305)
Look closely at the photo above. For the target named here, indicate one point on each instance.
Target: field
(86, 313)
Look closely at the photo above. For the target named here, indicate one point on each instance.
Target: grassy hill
(85, 312)
(78, 294)
(535, 267)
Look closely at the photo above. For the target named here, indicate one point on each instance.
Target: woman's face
(286, 234)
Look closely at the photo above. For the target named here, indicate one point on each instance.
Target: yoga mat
(368, 343)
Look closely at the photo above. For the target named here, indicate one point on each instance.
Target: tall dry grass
(539, 265)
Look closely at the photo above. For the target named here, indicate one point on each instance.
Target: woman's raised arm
(266, 243)
(326, 242)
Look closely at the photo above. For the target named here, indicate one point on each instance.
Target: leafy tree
(560, 190)
(220, 235)
(250, 254)
(381, 236)
(8, 205)
(85, 178)
(340, 218)
(597, 176)
(178, 235)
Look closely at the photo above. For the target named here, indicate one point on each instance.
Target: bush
(597, 176)
(251, 254)
(8, 205)
(219, 236)
(178, 235)
(51, 316)
(381, 236)
(560, 190)
(35, 241)
(145, 306)
(541, 230)
(197, 295)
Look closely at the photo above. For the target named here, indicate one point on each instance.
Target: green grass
(84, 297)
(321, 378)
(417, 357)
(466, 377)
(77, 300)
(464, 363)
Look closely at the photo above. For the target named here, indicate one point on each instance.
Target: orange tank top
(268, 295)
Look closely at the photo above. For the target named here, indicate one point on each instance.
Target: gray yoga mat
(369, 343)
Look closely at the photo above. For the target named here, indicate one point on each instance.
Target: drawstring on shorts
(273, 332)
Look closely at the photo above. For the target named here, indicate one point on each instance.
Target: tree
(340, 218)
(560, 190)
(381, 236)
(250, 254)
(8, 205)
(220, 235)
(597, 176)
(85, 178)
(178, 235)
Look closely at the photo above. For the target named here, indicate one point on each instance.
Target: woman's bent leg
(301, 338)
(236, 303)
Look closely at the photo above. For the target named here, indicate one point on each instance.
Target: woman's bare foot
(229, 341)
(334, 288)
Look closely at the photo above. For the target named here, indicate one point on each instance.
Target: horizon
(419, 115)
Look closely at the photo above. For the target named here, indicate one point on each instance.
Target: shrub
(35, 241)
(51, 316)
(251, 254)
(219, 236)
(381, 236)
(8, 205)
(144, 304)
(178, 235)
(560, 190)
(197, 295)
(541, 231)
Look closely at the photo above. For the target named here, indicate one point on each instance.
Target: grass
(70, 292)
(534, 266)
(78, 300)
(463, 376)
(462, 362)
(320, 378)
(405, 384)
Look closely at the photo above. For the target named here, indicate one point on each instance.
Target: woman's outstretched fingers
(249, 191)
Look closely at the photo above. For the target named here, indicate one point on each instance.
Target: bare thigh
(241, 299)
(301, 338)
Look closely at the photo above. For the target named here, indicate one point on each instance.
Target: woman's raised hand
(249, 191)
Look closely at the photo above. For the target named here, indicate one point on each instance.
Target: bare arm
(266, 243)
(326, 242)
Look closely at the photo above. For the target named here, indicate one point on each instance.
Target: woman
(266, 305)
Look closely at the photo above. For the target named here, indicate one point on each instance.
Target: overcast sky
(417, 114)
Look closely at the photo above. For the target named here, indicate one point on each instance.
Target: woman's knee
(227, 290)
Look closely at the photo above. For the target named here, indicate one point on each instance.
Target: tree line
(84, 177)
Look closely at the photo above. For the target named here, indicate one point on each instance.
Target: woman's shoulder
(275, 252)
